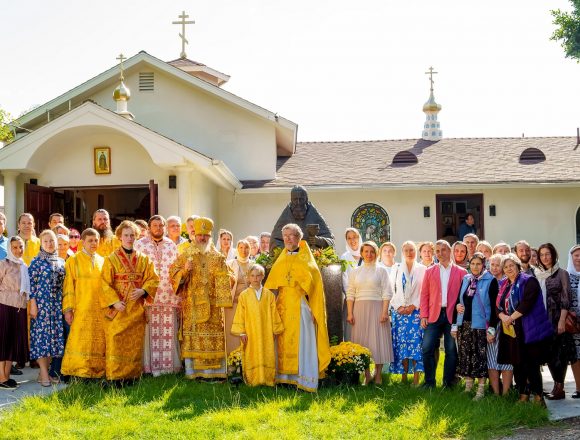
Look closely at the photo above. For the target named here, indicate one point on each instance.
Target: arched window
(373, 223)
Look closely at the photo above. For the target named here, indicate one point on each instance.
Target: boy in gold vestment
(84, 354)
(257, 322)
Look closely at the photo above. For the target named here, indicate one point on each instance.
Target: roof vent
(532, 155)
(404, 158)
(146, 81)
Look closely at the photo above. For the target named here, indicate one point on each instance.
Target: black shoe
(7, 386)
(12, 382)
(15, 371)
(575, 395)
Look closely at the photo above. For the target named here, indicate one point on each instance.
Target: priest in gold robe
(84, 354)
(303, 347)
(108, 241)
(257, 323)
(201, 276)
(129, 282)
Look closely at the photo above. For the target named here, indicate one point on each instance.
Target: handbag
(508, 330)
(572, 323)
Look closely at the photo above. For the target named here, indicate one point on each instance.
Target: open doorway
(452, 209)
(77, 204)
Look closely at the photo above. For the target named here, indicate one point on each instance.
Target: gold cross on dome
(431, 73)
(121, 58)
(184, 41)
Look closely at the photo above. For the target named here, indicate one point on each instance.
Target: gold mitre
(203, 226)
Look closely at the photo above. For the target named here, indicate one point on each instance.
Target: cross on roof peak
(184, 41)
(121, 58)
(431, 73)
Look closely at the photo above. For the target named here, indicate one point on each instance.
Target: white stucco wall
(535, 214)
(209, 125)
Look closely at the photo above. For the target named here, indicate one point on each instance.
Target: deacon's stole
(122, 273)
(296, 276)
(204, 290)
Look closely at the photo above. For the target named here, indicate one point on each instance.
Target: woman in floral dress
(46, 328)
(406, 331)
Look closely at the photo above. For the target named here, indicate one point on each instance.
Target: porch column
(10, 200)
(183, 192)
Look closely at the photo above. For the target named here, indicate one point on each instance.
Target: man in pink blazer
(439, 294)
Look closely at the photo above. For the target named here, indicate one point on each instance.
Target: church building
(166, 137)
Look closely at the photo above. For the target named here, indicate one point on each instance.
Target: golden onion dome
(122, 93)
(431, 105)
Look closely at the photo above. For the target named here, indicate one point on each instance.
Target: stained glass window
(373, 223)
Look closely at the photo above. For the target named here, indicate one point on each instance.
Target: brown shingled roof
(449, 161)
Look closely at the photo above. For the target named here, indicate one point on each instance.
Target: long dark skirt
(13, 334)
(472, 357)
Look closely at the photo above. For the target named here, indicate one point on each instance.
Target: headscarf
(354, 252)
(571, 269)
(464, 263)
(24, 278)
(473, 282)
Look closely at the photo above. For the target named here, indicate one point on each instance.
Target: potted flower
(235, 365)
(347, 362)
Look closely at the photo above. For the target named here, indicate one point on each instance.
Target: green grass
(172, 407)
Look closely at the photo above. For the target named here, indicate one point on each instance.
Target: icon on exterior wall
(102, 158)
(373, 223)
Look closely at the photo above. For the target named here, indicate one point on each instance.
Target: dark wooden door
(153, 199)
(452, 210)
(38, 201)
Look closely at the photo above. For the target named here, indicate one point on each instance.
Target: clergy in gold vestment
(31, 242)
(256, 322)
(201, 276)
(129, 280)
(303, 348)
(108, 241)
(84, 354)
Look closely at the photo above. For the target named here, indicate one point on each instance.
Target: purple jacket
(536, 324)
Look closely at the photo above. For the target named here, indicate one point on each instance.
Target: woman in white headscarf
(352, 255)
(14, 291)
(574, 272)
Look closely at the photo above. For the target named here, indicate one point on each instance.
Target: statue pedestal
(332, 281)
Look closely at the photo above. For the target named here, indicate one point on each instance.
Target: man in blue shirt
(467, 227)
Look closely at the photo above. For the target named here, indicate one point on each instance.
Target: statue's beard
(298, 211)
(104, 231)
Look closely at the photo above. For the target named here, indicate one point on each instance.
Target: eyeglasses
(74, 236)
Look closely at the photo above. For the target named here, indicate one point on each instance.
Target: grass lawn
(172, 407)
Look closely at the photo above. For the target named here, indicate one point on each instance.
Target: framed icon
(102, 160)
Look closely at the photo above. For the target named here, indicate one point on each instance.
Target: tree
(5, 130)
(568, 30)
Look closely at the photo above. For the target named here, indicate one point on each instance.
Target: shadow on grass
(448, 412)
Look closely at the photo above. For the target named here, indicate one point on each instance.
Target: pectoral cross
(431, 73)
(121, 58)
(184, 41)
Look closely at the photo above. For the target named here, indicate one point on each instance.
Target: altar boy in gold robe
(257, 323)
(84, 354)
(129, 282)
